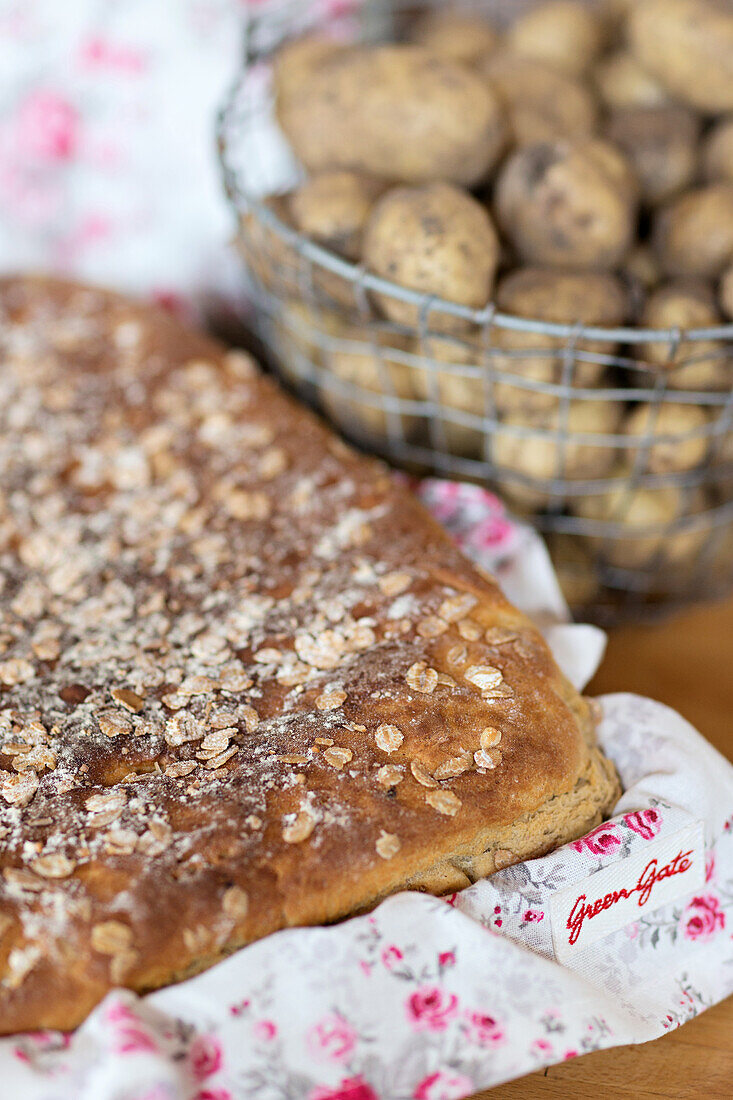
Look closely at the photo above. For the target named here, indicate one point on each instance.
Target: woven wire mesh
(638, 514)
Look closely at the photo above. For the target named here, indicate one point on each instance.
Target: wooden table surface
(687, 662)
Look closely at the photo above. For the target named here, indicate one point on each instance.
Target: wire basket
(617, 442)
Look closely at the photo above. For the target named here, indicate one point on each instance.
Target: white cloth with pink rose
(435, 999)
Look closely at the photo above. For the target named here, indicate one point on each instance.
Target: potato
(641, 274)
(568, 204)
(455, 388)
(543, 294)
(693, 233)
(726, 292)
(643, 517)
(546, 458)
(621, 82)
(566, 34)
(332, 209)
(717, 151)
(299, 334)
(688, 46)
(683, 432)
(540, 103)
(272, 259)
(721, 444)
(366, 358)
(296, 60)
(641, 267)
(564, 297)
(458, 36)
(280, 267)
(436, 239)
(395, 111)
(661, 145)
(697, 364)
(575, 568)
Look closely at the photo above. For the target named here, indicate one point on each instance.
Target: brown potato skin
(568, 204)
(541, 104)
(684, 450)
(726, 292)
(561, 296)
(661, 145)
(372, 368)
(272, 259)
(641, 519)
(332, 209)
(693, 233)
(688, 46)
(458, 36)
(436, 239)
(545, 459)
(296, 60)
(566, 34)
(717, 151)
(564, 296)
(622, 82)
(396, 111)
(694, 365)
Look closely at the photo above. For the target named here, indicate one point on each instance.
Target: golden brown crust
(245, 681)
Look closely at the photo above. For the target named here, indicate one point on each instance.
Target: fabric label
(667, 868)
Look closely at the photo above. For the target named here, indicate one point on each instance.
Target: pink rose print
(570, 1054)
(391, 956)
(710, 867)
(703, 917)
(100, 53)
(444, 1086)
(646, 823)
(49, 1040)
(133, 1041)
(446, 958)
(205, 1056)
(265, 1030)
(332, 1039)
(441, 496)
(130, 1036)
(47, 126)
(491, 533)
(533, 915)
(351, 1088)
(483, 1030)
(541, 1047)
(600, 841)
(431, 1008)
(213, 1094)
(339, 7)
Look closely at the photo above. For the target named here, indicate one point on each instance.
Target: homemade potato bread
(246, 682)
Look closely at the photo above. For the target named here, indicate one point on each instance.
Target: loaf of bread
(246, 682)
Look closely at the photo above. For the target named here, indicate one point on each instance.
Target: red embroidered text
(649, 877)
